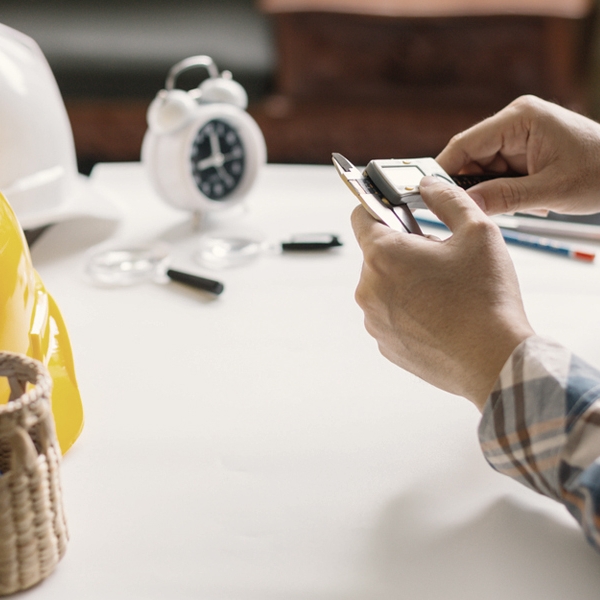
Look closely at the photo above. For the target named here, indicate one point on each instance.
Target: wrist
(493, 363)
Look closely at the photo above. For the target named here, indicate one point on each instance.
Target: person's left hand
(448, 311)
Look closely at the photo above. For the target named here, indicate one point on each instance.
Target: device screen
(403, 175)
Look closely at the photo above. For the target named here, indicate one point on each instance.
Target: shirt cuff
(522, 430)
(541, 426)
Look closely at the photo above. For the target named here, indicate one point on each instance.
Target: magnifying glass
(219, 251)
(137, 264)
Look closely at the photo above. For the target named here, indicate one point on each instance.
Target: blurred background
(368, 78)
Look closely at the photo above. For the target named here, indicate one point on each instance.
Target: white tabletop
(256, 446)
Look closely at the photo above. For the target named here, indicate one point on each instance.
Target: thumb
(449, 203)
(512, 194)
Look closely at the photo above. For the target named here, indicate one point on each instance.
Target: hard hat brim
(82, 200)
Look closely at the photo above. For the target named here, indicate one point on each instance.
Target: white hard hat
(38, 167)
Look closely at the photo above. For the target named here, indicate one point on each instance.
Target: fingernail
(478, 199)
(429, 180)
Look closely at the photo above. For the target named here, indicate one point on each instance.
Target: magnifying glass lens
(126, 266)
(220, 252)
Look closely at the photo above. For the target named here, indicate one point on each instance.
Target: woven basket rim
(30, 370)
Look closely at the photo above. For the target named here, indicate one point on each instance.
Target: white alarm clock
(202, 150)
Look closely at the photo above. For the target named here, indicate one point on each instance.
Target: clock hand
(233, 155)
(225, 176)
(215, 146)
(210, 161)
(217, 160)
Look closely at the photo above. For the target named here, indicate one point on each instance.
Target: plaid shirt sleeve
(541, 426)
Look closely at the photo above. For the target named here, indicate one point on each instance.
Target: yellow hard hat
(31, 324)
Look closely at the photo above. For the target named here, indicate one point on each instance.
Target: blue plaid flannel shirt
(541, 426)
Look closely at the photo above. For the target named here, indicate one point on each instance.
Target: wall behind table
(399, 77)
(318, 81)
(111, 57)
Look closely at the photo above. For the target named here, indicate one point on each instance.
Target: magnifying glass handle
(195, 281)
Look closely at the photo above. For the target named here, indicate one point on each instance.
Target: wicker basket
(33, 533)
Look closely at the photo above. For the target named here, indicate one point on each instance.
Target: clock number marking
(217, 159)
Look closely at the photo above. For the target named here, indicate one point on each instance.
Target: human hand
(448, 311)
(557, 150)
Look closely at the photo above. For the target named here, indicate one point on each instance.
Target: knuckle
(527, 103)
(452, 195)
(360, 295)
(457, 143)
(533, 109)
(456, 139)
(479, 226)
(369, 328)
(376, 255)
(365, 293)
(482, 230)
(510, 195)
(370, 314)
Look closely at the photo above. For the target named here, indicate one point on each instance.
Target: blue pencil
(528, 241)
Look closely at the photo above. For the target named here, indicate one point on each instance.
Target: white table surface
(257, 447)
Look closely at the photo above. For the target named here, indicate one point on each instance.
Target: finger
(375, 238)
(505, 132)
(365, 226)
(477, 145)
(512, 194)
(450, 203)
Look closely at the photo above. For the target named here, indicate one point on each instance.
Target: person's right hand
(557, 151)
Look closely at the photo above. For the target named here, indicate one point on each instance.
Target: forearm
(541, 426)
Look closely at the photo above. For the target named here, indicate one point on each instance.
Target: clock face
(217, 159)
